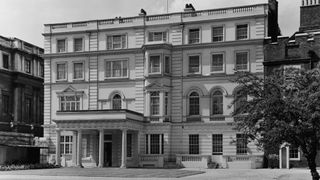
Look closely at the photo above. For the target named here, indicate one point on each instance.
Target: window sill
(294, 159)
(61, 81)
(78, 80)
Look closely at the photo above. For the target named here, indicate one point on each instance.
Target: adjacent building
(302, 51)
(21, 100)
(153, 90)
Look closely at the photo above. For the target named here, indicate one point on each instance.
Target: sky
(24, 19)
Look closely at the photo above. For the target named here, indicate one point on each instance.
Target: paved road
(156, 174)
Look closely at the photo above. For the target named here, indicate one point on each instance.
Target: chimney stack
(189, 8)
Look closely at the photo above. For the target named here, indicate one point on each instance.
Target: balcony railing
(193, 160)
(217, 118)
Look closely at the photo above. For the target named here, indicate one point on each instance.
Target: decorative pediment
(156, 86)
(70, 90)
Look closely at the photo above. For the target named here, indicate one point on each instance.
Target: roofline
(259, 4)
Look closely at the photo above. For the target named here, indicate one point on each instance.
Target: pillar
(74, 148)
(124, 149)
(58, 153)
(101, 147)
(79, 148)
(288, 155)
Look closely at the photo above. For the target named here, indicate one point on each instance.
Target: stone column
(58, 153)
(74, 148)
(288, 164)
(101, 147)
(161, 108)
(124, 149)
(79, 148)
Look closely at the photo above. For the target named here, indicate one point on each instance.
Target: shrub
(18, 166)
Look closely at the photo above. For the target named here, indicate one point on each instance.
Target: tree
(282, 107)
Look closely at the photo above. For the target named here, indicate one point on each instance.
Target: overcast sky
(24, 19)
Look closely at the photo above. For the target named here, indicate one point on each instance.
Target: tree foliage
(282, 108)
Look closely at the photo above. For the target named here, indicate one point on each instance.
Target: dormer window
(157, 36)
(116, 42)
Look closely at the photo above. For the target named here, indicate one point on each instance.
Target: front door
(284, 157)
(108, 154)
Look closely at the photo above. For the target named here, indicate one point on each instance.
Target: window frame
(150, 65)
(200, 67)
(65, 45)
(217, 146)
(65, 71)
(223, 62)
(122, 46)
(219, 104)
(162, 37)
(28, 109)
(223, 33)
(113, 103)
(189, 104)
(241, 148)
(248, 60)
(3, 64)
(112, 61)
(248, 31)
(73, 70)
(150, 145)
(194, 144)
(64, 143)
(82, 44)
(28, 69)
(129, 145)
(152, 105)
(65, 102)
(167, 65)
(189, 39)
(298, 154)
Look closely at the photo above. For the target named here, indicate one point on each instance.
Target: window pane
(78, 70)
(108, 69)
(217, 144)
(242, 144)
(194, 36)
(5, 61)
(194, 64)
(129, 145)
(27, 66)
(294, 152)
(217, 62)
(61, 45)
(124, 68)
(154, 64)
(217, 103)
(116, 102)
(242, 61)
(193, 144)
(154, 144)
(217, 34)
(116, 68)
(194, 104)
(155, 103)
(167, 64)
(116, 42)
(61, 73)
(242, 31)
(78, 44)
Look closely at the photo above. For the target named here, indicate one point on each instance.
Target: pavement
(156, 174)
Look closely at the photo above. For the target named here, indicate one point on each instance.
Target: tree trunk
(313, 167)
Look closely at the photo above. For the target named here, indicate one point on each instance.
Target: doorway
(107, 162)
(284, 157)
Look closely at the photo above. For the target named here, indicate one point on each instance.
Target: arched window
(194, 101)
(217, 103)
(116, 102)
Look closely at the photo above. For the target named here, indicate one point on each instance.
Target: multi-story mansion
(21, 100)
(152, 90)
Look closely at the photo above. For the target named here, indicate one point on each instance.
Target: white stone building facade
(151, 90)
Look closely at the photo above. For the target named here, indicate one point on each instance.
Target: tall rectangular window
(154, 143)
(157, 36)
(166, 103)
(62, 71)
(78, 72)
(28, 110)
(217, 144)
(66, 144)
(129, 145)
(116, 42)
(167, 64)
(194, 36)
(193, 143)
(154, 65)
(41, 70)
(194, 64)
(69, 103)
(27, 66)
(217, 63)
(61, 45)
(78, 44)
(242, 144)
(155, 103)
(242, 61)
(5, 61)
(242, 31)
(116, 69)
(217, 34)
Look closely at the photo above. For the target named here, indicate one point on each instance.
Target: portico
(97, 141)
